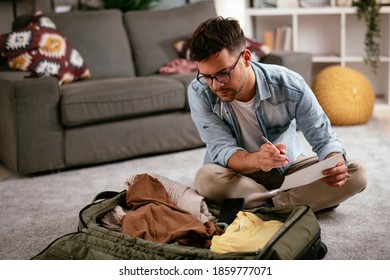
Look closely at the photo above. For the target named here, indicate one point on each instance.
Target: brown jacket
(156, 218)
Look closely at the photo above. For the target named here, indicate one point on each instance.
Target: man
(235, 102)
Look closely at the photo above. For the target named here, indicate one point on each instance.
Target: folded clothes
(155, 217)
(183, 196)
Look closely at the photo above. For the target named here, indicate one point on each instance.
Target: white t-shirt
(247, 120)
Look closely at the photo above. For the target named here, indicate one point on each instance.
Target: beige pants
(216, 183)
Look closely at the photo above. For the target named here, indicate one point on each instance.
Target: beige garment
(247, 233)
(112, 220)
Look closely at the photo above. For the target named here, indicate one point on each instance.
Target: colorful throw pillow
(258, 50)
(41, 49)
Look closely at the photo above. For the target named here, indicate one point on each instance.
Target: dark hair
(215, 34)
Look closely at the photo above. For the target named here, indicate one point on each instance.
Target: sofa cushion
(153, 33)
(185, 79)
(101, 37)
(42, 49)
(108, 99)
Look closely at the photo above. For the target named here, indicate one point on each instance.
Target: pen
(269, 142)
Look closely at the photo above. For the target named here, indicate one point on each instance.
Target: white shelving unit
(333, 35)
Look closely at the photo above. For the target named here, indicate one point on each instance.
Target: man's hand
(336, 176)
(272, 156)
(266, 158)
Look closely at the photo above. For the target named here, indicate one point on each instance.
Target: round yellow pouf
(345, 95)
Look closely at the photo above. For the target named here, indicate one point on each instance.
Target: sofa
(126, 109)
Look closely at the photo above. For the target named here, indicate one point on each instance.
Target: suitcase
(298, 238)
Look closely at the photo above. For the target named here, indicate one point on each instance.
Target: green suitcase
(298, 238)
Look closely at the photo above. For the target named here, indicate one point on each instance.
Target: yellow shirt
(247, 233)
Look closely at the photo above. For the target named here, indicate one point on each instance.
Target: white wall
(235, 9)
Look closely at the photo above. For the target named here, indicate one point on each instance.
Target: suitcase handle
(104, 195)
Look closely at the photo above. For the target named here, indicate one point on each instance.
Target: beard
(228, 94)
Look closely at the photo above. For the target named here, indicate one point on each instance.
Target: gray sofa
(125, 110)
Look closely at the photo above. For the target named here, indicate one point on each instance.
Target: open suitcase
(298, 238)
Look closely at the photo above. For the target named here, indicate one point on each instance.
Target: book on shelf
(279, 39)
(268, 39)
(287, 38)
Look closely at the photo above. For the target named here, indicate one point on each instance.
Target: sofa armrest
(31, 132)
(300, 62)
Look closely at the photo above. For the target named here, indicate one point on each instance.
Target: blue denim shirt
(283, 103)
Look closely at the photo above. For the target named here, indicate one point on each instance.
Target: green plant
(369, 11)
(129, 5)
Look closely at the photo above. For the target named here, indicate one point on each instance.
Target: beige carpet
(37, 210)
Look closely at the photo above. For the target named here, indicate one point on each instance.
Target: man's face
(224, 73)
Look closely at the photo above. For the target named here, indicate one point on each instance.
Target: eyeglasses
(222, 77)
